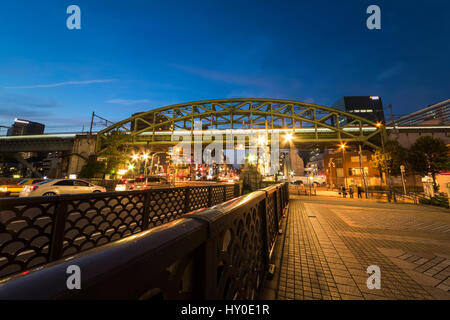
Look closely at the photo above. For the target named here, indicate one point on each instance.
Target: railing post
(146, 213)
(210, 196)
(266, 231)
(187, 207)
(225, 193)
(58, 230)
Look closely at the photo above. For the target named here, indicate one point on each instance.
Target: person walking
(350, 191)
(344, 192)
(359, 192)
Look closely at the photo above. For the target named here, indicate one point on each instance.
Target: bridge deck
(328, 244)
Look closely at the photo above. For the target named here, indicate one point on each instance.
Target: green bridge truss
(309, 122)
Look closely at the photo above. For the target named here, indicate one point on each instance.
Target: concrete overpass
(75, 148)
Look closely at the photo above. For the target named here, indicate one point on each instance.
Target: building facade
(368, 107)
(24, 127)
(350, 169)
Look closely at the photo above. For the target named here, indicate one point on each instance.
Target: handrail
(222, 252)
(39, 230)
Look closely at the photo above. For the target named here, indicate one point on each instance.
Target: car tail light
(120, 187)
(30, 188)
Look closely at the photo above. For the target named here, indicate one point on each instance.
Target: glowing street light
(288, 137)
(131, 166)
(379, 124)
(135, 157)
(262, 140)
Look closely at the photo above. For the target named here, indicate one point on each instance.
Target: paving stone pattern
(328, 245)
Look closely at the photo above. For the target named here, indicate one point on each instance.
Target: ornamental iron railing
(222, 252)
(38, 230)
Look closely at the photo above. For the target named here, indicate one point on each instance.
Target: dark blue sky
(133, 56)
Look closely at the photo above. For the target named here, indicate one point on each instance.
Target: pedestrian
(350, 191)
(344, 192)
(359, 192)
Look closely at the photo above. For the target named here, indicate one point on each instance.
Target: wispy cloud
(127, 102)
(60, 84)
(392, 71)
(232, 78)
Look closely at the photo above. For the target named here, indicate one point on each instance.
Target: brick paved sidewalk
(328, 245)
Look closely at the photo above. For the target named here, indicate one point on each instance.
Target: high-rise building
(24, 127)
(368, 107)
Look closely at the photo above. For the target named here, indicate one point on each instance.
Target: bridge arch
(310, 122)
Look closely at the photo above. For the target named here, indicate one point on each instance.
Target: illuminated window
(357, 171)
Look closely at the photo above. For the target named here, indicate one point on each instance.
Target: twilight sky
(134, 55)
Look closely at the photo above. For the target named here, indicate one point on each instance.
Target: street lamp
(288, 137)
(342, 147)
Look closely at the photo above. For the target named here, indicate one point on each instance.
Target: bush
(93, 169)
(435, 201)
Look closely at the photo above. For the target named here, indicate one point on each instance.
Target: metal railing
(307, 190)
(221, 252)
(38, 230)
(410, 197)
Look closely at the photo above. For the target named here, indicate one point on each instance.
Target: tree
(398, 155)
(381, 161)
(115, 150)
(390, 161)
(429, 155)
(93, 169)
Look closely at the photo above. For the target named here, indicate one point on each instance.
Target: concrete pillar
(83, 147)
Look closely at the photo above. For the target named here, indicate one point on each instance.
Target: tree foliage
(429, 155)
(393, 157)
(115, 150)
(93, 169)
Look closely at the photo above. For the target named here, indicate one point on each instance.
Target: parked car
(316, 180)
(60, 186)
(14, 190)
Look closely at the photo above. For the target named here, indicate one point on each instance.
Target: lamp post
(331, 164)
(402, 171)
(342, 147)
(363, 172)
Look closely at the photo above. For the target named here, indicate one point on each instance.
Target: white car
(59, 186)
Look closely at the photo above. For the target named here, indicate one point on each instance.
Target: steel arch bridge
(309, 122)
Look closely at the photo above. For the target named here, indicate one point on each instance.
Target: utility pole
(402, 170)
(92, 122)
(363, 172)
